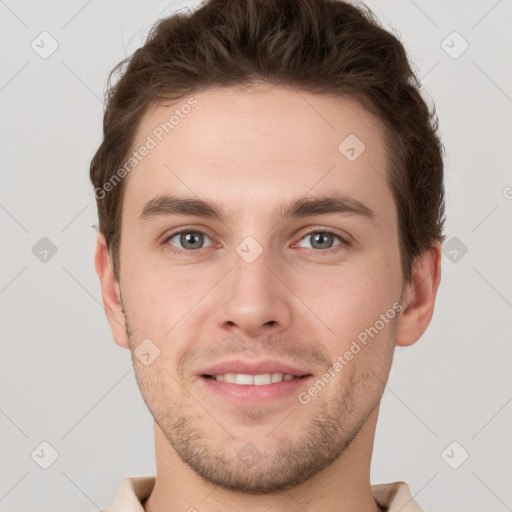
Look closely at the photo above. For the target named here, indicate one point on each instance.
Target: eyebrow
(165, 205)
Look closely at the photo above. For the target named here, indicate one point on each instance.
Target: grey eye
(189, 240)
(321, 239)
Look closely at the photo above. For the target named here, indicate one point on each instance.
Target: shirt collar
(134, 490)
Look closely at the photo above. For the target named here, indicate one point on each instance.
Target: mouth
(246, 390)
(247, 383)
(262, 379)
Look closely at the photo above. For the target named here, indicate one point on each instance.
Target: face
(261, 281)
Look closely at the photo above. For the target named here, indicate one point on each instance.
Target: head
(307, 176)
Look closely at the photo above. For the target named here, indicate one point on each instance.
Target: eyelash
(343, 242)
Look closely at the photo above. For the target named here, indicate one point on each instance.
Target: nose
(252, 300)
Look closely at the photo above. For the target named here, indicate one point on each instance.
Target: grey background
(63, 380)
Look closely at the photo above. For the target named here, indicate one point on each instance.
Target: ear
(110, 292)
(419, 297)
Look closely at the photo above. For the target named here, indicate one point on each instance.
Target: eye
(322, 240)
(188, 239)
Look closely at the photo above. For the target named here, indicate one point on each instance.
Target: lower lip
(240, 394)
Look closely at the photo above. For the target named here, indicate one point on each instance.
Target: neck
(342, 486)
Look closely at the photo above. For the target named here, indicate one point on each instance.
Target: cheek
(349, 298)
(160, 389)
(159, 297)
(148, 275)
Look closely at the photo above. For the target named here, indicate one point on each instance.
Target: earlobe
(419, 297)
(110, 292)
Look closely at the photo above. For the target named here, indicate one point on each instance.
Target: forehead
(254, 146)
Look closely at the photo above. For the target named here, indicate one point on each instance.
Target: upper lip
(253, 368)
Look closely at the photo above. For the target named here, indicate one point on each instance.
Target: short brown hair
(319, 46)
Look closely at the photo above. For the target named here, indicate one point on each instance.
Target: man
(270, 198)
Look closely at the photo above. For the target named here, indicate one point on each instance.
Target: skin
(249, 151)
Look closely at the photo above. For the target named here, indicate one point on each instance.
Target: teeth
(256, 380)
